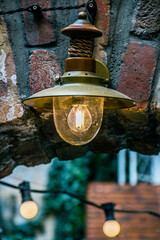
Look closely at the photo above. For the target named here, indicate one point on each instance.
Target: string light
(111, 227)
(28, 208)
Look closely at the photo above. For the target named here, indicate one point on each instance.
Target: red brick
(43, 68)
(103, 18)
(38, 31)
(133, 226)
(137, 72)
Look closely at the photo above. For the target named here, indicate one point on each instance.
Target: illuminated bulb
(111, 228)
(78, 119)
(28, 209)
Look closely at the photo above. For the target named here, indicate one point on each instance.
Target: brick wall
(133, 226)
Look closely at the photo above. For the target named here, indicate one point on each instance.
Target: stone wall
(32, 53)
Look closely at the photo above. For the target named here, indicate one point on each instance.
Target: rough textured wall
(32, 53)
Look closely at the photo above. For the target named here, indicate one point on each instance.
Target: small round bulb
(111, 228)
(28, 209)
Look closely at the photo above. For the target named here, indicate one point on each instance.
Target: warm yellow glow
(28, 209)
(79, 118)
(111, 228)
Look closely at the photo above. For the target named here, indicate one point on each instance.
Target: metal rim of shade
(80, 84)
(113, 99)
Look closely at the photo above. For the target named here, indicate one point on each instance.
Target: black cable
(63, 8)
(31, 9)
(9, 185)
(80, 199)
(69, 194)
(53, 192)
(136, 211)
(16, 10)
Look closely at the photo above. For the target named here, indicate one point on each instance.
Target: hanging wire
(53, 192)
(35, 7)
(79, 198)
(28, 9)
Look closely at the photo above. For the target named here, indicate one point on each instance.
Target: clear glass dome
(78, 119)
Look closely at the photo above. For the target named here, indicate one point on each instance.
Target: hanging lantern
(82, 92)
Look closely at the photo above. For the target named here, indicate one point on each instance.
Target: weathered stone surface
(39, 30)
(21, 144)
(155, 102)
(126, 129)
(10, 103)
(146, 21)
(43, 68)
(137, 72)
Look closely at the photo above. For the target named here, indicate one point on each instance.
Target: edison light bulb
(111, 228)
(28, 209)
(78, 119)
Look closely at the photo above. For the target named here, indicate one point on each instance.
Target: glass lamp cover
(78, 119)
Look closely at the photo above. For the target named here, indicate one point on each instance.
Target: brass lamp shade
(113, 99)
(82, 83)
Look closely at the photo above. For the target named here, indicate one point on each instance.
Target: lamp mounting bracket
(36, 9)
(91, 10)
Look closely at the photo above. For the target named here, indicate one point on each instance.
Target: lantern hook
(91, 9)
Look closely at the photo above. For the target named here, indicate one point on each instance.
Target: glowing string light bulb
(28, 208)
(111, 227)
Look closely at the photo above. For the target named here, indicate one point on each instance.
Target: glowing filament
(79, 119)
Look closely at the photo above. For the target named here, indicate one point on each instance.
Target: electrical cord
(52, 192)
(35, 7)
(79, 198)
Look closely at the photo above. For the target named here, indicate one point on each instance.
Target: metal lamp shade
(112, 99)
